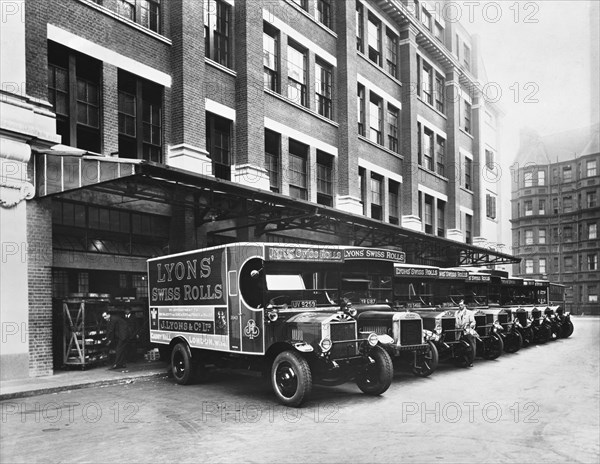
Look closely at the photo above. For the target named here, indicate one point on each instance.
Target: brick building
(128, 131)
(556, 213)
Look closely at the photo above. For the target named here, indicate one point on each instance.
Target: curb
(98, 383)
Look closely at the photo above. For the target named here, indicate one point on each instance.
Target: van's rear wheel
(291, 378)
(181, 364)
(377, 377)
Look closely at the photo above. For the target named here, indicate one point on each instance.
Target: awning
(66, 174)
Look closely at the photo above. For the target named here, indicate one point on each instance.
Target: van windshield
(285, 282)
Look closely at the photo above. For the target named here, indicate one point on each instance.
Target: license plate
(304, 303)
(368, 301)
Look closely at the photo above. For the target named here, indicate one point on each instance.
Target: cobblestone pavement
(541, 404)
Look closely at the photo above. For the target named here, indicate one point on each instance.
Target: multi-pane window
(391, 41)
(489, 159)
(542, 265)
(362, 190)
(567, 174)
(440, 156)
(392, 132)
(468, 228)
(592, 291)
(439, 32)
(324, 12)
(439, 93)
(541, 178)
(360, 33)
(271, 58)
(542, 207)
(143, 12)
(568, 233)
(393, 201)
(468, 173)
(74, 92)
(218, 144)
(592, 199)
(376, 196)
(428, 214)
(441, 220)
(568, 263)
(590, 168)
(529, 237)
(542, 236)
(426, 83)
(323, 89)
(528, 207)
(375, 119)
(528, 179)
(272, 159)
(567, 204)
(555, 205)
(301, 3)
(297, 75)
(374, 39)
(592, 262)
(529, 266)
(217, 31)
(428, 146)
(592, 230)
(467, 116)
(490, 206)
(298, 170)
(360, 103)
(467, 56)
(324, 178)
(426, 18)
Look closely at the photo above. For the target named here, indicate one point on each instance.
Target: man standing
(466, 321)
(117, 332)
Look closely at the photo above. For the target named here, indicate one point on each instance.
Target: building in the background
(350, 122)
(556, 213)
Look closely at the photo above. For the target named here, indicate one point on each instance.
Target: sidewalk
(76, 379)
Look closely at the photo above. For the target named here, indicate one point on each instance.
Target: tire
(567, 329)
(426, 363)
(182, 367)
(466, 358)
(291, 378)
(543, 334)
(514, 342)
(377, 377)
(494, 348)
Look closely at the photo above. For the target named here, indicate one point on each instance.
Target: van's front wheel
(377, 377)
(291, 378)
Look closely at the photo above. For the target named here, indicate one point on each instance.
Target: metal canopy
(231, 207)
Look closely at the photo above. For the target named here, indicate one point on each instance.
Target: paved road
(539, 405)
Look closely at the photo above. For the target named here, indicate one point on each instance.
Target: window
(568, 233)
(143, 12)
(457, 46)
(324, 178)
(490, 206)
(360, 103)
(426, 18)
(592, 291)
(441, 220)
(568, 263)
(528, 207)
(217, 31)
(542, 207)
(568, 204)
(426, 83)
(541, 178)
(324, 12)
(375, 119)
(592, 230)
(140, 118)
(376, 196)
(360, 33)
(468, 173)
(419, 144)
(298, 170)
(271, 58)
(555, 205)
(529, 237)
(297, 75)
(218, 144)
(392, 132)
(440, 156)
(542, 236)
(74, 92)
(439, 92)
(592, 262)
(323, 89)
(592, 199)
(272, 158)
(529, 179)
(374, 39)
(392, 53)
(393, 201)
(362, 188)
(439, 32)
(542, 265)
(467, 56)
(428, 146)
(567, 174)
(590, 168)
(529, 266)
(467, 117)
(301, 3)
(428, 214)
(468, 228)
